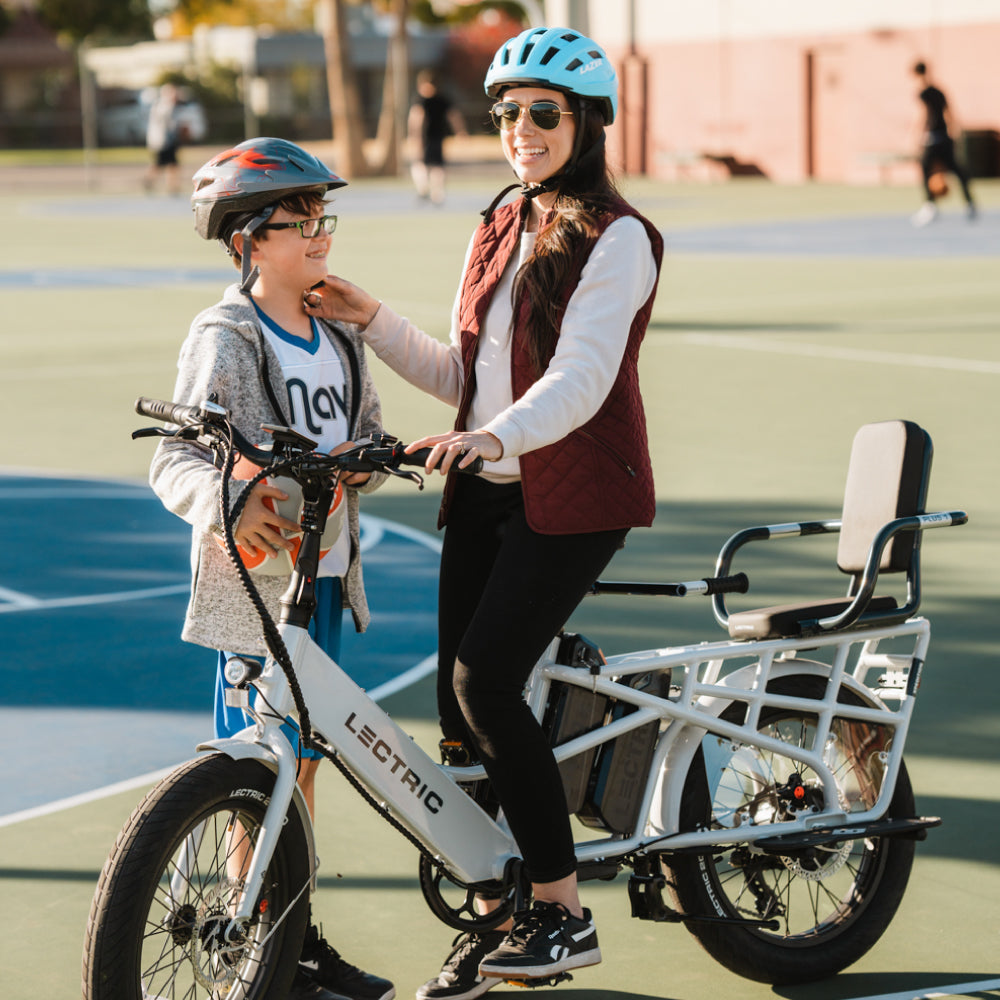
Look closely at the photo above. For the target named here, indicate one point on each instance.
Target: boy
(258, 354)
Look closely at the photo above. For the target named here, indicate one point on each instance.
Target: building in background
(792, 90)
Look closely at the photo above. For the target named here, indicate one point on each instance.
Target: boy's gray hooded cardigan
(226, 353)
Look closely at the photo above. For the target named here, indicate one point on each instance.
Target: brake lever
(414, 477)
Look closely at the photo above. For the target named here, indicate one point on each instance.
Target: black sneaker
(303, 988)
(459, 978)
(544, 941)
(322, 965)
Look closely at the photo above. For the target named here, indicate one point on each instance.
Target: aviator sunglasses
(544, 114)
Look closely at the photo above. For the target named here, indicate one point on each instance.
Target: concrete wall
(793, 90)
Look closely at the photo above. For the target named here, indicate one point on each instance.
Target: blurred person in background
(937, 154)
(431, 120)
(172, 122)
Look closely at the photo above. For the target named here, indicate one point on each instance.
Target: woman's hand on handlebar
(336, 299)
(463, 446)
(260, 527)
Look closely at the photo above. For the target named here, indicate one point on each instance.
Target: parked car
(123, 123)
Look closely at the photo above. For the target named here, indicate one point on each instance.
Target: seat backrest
(887, 478)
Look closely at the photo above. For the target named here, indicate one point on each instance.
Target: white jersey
(317, 405)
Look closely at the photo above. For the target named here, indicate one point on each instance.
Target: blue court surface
(97, 686)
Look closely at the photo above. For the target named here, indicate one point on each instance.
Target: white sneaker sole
(579, 961)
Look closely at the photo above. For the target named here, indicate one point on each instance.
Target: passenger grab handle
(738, 584)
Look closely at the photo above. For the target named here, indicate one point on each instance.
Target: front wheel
(159, 917)
(831, 903)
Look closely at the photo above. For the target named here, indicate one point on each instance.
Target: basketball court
(786, 318)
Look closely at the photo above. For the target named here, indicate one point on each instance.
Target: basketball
(282, 564)
(937, 184)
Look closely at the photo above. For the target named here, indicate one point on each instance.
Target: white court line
(373, 530)
(82, 799)
(73, 492)
(404, 680)
(23, 602)
(788, 347)
(958, 989)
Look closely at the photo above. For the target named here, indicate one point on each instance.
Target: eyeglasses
(544, 114)
(308, 228)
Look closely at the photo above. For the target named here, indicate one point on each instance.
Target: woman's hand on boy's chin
(336, 299)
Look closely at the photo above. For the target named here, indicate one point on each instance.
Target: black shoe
(544, 941)
(303, 988)
(321, 965)
(459, 978)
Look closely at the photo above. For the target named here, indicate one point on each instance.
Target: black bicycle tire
(123, 899)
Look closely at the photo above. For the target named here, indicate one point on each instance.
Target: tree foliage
(278, 14)
(97, 19)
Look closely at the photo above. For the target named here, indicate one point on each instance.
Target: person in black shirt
(938, 150)
(432, 119)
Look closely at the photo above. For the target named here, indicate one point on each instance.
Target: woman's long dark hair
(583, 195)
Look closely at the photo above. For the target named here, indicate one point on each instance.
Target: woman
(554, 300)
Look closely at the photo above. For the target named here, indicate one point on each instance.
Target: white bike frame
(425, 798)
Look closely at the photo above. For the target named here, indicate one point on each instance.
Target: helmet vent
(575, 64)
(526, 52)
(549, 56)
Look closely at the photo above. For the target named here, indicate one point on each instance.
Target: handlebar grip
(419, 457)
(173, 413)
(738, 584)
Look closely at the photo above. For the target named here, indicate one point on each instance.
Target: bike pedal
(532, 984)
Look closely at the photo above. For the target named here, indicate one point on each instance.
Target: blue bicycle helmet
(559, 59)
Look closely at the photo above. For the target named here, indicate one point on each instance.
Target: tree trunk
(345, 103)
(395, 95)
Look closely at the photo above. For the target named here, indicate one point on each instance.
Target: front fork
(271, 747)
(274, 821)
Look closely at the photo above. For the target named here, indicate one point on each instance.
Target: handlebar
(383, 454)
(176, 413)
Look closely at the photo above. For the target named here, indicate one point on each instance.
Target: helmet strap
(576, 160)
(249, 273)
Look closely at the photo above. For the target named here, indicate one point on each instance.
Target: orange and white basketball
(282, 564)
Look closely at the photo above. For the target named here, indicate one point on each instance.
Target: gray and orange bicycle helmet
(247, 180)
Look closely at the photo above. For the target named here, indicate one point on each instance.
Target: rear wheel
(160, 915)
(831, 903)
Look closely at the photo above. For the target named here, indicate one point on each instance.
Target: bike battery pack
(573, 711)
(618, 778)
(603, 785)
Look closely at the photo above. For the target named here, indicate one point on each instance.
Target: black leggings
(505, 591)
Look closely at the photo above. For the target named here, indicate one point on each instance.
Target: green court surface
(786, 318)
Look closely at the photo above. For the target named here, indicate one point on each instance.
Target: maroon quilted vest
(598, 477)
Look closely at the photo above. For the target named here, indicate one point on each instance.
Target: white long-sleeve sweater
(616, 280)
